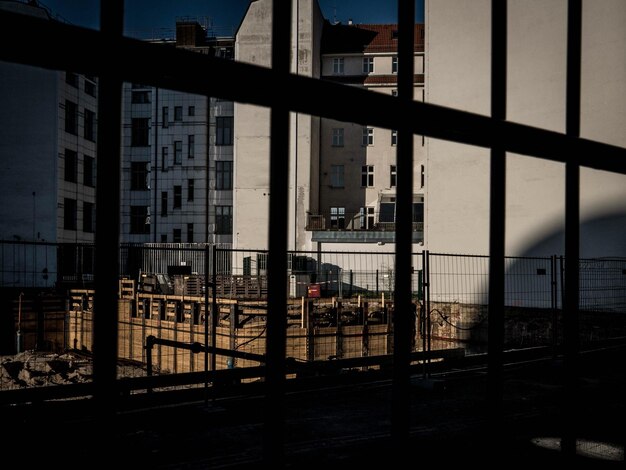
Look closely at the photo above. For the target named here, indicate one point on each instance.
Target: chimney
(350, 21)
(189, 33)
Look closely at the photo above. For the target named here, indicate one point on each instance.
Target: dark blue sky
(156, 18)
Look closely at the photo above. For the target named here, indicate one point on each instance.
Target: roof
(360, 38)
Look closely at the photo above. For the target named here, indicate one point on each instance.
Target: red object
(314, 291)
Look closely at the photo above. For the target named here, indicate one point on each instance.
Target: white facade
(178, 164)
(458, 76)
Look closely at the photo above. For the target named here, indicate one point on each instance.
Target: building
(48, 153)
(342, 175)
(177, 171)
(458, 75)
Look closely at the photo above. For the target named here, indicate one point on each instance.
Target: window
(177, 236)
(394, 137)
(190, 189)
(71, 117)
(337, 217)
(367, 176)
(141, 97)
(336, 176)
(178, 113)
(89, 129)
(387, 212)
(224, 129)
(71, 166)
(366, 214)
(89, 171)
(71, 79)
(189, 233)
(368, 136)
(392, 176)
(140, 132)
(178, 197)
(224, 220)
(394, 92)
(139, 220)
(338, 137)
(88, 217)
(138, 176)
(368, 65)
(418, 212)
(165, 117)
(422, 176)
(90, 86)
(223, 175)
(164, 158)
(164, 203)
(191, 111)
(338, 66)
(394, 64)
(178, 152)
(163, 238)
(191, 144)
(69, 214)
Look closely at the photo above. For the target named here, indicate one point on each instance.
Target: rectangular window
(89, 130)
(368, 65)
(71, 166)
(336, 176)
(178, 113)
(140, 132)
(90, 86)
(368, 136)
(223, 175)
(224, 220)
(387, 212)
(178, 197)
(190, 189)
(189, 233)
(141, 97)
(139, 220)
(178, 152)
(71, 79)
(191, 111)
(367, 176)
(164, 204)
(191, 144)
(69, 214)
(366, 214)
(422, 176)
(177, 236)
(394, 64)
(224, 131)
(338, 217)
(165, 117)
(164, 158)
(392, 176)
(338, 66)
(71, 117)
(89, 171)
(338, 137)
(88, 217)
(394, 137)
(138, 176)
(163, 238)
(418, 212)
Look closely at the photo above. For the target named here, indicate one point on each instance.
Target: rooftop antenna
(335, 13)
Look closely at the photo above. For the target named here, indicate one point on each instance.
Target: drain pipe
(18, 338)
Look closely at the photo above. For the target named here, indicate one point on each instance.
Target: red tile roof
(360, 38)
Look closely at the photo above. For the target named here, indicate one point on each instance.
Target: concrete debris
(36, 369)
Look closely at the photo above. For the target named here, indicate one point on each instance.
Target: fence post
(554, 301)
(310, 331)
(339, 335)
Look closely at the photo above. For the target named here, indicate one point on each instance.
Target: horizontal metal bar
(59, 46)
(198, 348)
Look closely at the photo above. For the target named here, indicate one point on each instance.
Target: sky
(157, 18)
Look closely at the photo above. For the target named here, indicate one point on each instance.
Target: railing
(351, 221)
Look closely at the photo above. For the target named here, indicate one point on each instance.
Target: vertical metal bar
(572, 227)
(215, 313)
(108, 214)
(497, 213)
(555, 306)
(273, 444)
(403, 312)
(427, 322)
(207, 253)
